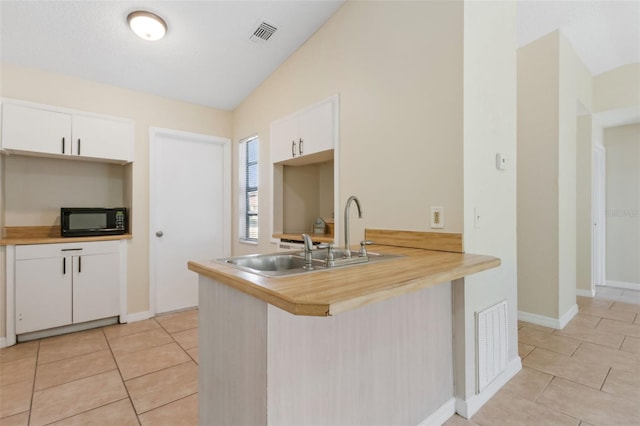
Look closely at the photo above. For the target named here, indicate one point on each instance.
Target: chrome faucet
(346, 223)
(308, 254)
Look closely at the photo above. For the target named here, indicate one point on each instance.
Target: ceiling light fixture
(147, 25)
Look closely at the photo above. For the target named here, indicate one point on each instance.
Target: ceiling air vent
(263, 32)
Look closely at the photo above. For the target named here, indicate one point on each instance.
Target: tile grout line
(606, 376)
(33, 385)
(126, 389)
(167, 403)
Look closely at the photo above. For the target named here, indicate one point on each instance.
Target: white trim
(441, 415)
(138, 316)
(70, 328)
(467, 408)
(545, 321)
(623, 284)
(3, 342)
(226, 197)
(123, 281)
(10, 283)
(585, 293)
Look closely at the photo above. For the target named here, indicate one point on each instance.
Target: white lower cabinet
(63, 284)
(43, 294)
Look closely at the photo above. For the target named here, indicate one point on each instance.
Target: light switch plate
(437, 217)
(501, 162)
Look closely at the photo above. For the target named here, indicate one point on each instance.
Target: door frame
(154, 133)
(599, 196)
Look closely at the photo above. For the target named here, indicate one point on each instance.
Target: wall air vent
(263, 32)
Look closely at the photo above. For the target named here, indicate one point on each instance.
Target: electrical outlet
(437, 217)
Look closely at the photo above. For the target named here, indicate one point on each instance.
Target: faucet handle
(363, 249)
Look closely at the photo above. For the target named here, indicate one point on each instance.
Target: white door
(189, 212)
(598, 214)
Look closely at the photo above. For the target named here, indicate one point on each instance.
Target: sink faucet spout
(346, 222)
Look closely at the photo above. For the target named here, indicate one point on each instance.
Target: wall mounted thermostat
(501, 162)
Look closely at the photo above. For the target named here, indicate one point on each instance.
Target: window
(249, 189)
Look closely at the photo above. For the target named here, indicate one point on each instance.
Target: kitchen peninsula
(275, 351)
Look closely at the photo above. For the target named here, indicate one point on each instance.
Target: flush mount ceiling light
(147, 25)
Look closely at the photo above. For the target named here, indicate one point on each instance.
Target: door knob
(159, 233)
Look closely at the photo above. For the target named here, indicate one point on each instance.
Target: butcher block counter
(331, 291)
(273, 351)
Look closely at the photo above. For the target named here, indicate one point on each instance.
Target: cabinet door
(43, 293)
(316, 129)
(284, 140)
(96, 137)
(35, 130)
(96, 286)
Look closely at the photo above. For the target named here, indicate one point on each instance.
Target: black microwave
(87, 221)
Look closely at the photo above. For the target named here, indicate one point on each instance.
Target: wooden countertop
(25, 235)
(332, 291)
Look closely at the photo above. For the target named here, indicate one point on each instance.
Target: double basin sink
(292, 263)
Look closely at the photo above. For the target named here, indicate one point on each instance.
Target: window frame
(246, 191)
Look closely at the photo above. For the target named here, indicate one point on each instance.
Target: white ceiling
(604, 33)
(207, 57)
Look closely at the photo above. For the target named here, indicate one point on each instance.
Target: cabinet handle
(79, 264)
(64, 266)
(293, 149)
(71, 249)
(63, 145)
(300, 145)
(78, 146)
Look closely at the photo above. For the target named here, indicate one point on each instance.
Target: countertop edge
(258, 286)
(58, 240)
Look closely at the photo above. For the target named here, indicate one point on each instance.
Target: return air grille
(491, 340)
(263, 32)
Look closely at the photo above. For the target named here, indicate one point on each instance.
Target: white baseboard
(3, 342)
(441, 415)
(623, 284)
(585, 293)
(138, 316)
(557, 323)
(467, 408)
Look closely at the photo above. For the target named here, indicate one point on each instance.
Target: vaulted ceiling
(208, 58)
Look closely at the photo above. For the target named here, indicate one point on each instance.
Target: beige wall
(146, 110)
(617, 89)
(400, 112)
(623, 204)
(538, 173)
(36, 188)
(489, 128)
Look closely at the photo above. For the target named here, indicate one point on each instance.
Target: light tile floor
(145, 373)
(585, 374)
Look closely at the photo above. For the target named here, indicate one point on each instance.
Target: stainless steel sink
(291, 263)
(275, 264)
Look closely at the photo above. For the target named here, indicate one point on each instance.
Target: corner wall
(489, 128)
(400, 112)
(538, 174)
(551, 211)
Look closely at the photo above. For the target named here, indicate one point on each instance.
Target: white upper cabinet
(41, 130)
(102, 138)
(310, 131)
(35, 130)
(284, 140)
